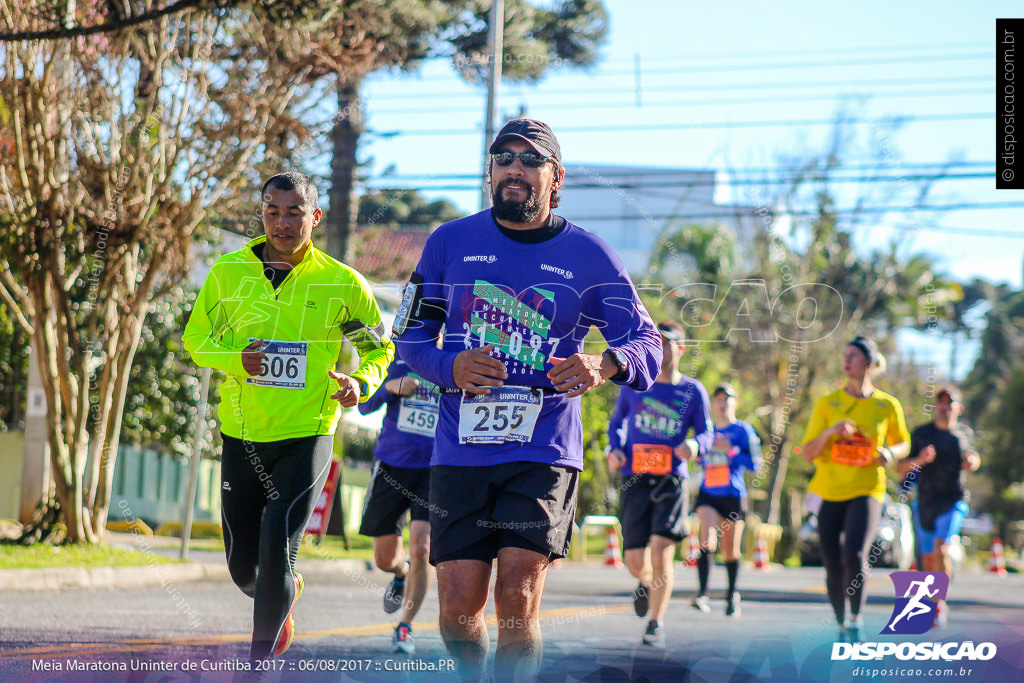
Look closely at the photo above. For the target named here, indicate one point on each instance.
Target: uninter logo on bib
(480, 259)
(917, 594)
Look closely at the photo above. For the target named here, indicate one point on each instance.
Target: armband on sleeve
(416, 308)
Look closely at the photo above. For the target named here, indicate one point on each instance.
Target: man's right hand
(252, 357)
(616, 459)
(844, 428)
(927, 455)
(474, 370)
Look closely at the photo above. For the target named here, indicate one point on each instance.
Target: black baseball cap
(952, 393)
(724, 388)
(869, 348)
(671, 330)
(536, 134)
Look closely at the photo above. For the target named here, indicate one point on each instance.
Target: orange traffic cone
(612, 556)
(761, 554)
(693, 552)
(997, 565)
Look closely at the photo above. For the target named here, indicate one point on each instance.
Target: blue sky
(712, 74)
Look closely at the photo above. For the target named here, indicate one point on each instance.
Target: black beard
(527, 210)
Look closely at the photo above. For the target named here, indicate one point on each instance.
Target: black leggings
(267, 496)
(846, 562)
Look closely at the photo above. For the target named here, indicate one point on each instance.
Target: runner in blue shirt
(647, 439)
(517, 290)
(400, 482)
(722, 500)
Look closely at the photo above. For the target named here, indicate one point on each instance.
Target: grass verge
(41, 555)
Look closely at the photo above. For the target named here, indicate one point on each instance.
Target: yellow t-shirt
(879, 419)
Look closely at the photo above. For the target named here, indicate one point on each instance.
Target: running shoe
(732, 606)
(288, 632)
(854, 627)
(655, 635)
(701, 604)
(395, 593)
(941, 616)
(641, 599)
(402, 639)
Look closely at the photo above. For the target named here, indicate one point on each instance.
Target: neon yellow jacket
(319, 303)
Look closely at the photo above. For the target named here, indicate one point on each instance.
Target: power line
(711, 181)
(741, 210)
(973, 232)
(776, 66)
(511, 90)
(736, 171)
(705, 56)
(419, 111)
(709, 125)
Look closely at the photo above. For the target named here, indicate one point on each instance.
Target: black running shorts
(392, 491)
(652, 506)
(728, 507)
(476, 511)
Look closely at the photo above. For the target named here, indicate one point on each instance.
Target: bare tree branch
(117, 24)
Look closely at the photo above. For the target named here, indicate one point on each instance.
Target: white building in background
(629, 207)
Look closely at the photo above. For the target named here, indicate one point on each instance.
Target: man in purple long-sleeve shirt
(653, 458)
(516, 289)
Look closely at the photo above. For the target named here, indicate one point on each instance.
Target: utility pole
(495, 35)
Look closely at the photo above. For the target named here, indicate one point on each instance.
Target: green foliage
(164, 385)
(14, 348)
(770, 312)
(686, 252)
(392, 208)
(994, 396)
(356, 448)
(597, 489)
(535, 39)
(42, 555)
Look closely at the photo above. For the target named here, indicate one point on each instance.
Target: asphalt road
(200, 630)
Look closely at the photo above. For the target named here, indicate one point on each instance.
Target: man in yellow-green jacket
(273, 316)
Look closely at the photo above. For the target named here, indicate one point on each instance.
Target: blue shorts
(947, 525)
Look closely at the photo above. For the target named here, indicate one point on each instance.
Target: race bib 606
(505, 414)
(283, 365)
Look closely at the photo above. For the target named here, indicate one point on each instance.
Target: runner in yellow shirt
(853, 435)
(272, 316)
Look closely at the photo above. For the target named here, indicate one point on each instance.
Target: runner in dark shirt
(941, 454)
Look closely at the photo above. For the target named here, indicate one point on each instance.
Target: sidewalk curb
(61, 578)
(58, 578)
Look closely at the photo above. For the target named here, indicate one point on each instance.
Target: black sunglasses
(529, 159)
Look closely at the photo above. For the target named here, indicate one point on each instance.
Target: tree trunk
(111, 439)
(775, 500)
(340, 221)
(67, 455)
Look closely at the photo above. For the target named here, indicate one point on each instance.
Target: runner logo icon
(917, 594)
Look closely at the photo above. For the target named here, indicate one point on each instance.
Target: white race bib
(417, 417)
(283, 365)
(505, 414)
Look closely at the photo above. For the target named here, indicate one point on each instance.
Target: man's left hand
(349, 389)
(577, 374)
